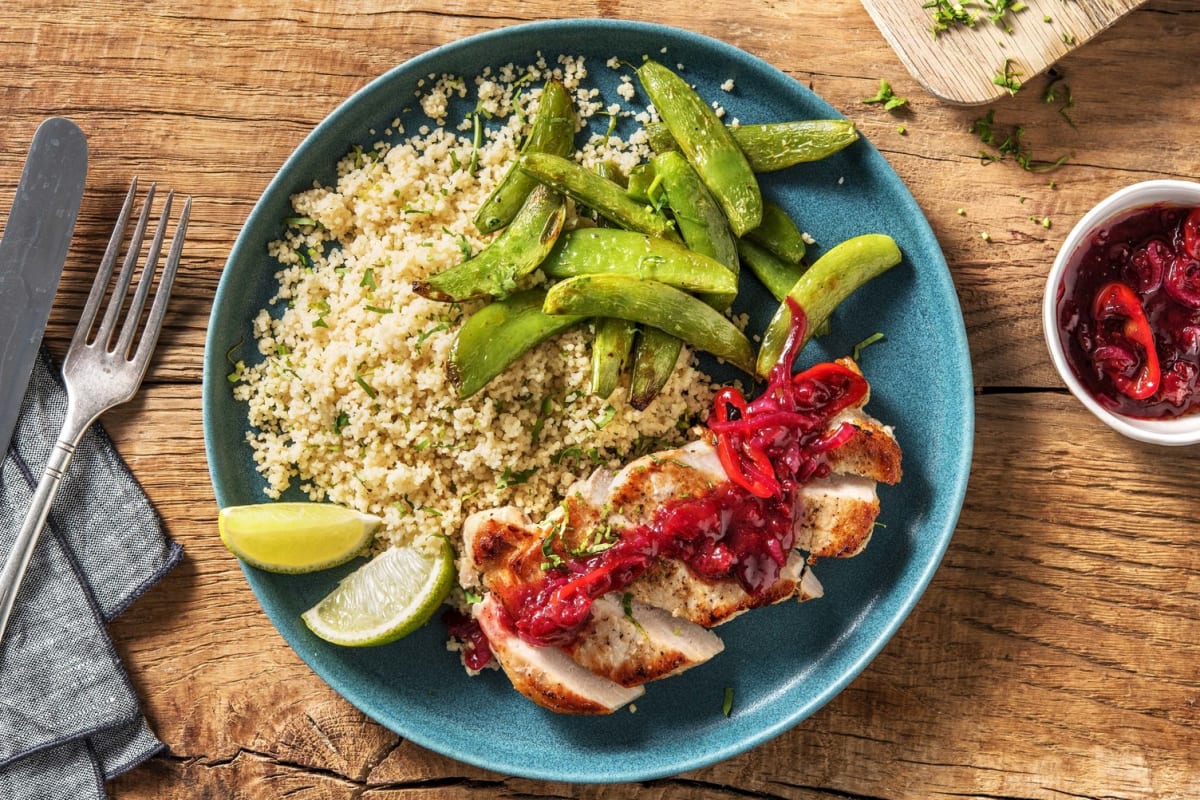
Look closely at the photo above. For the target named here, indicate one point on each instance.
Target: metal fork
(104, 366)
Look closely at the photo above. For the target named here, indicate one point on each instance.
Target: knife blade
(32, 253)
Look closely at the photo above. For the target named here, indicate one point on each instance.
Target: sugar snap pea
(591, 251)
(654, 359)
(829, 281)
(707, 144)
(498, 334)
(697, 214)
(777, 275)
(595, 192)
(656, 305)
(773, 146)
(640, 183)
(611, 345)
(779, 234)
(516, 252)
(552, 131)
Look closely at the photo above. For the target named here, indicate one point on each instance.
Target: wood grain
(1054, 654)
(959, 65)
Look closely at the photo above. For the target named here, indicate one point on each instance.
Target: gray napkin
(69, 717)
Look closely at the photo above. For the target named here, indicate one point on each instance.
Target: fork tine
(158, 311)
(134, 315)
(104, 272)
(107, 330)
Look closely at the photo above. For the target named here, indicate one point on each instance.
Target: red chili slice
(1122, 321)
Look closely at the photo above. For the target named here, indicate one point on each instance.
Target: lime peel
(296, 537)
(387, 598)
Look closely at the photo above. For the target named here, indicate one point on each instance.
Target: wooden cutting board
(959, 64)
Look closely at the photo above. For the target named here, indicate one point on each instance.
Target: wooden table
(1057, 651)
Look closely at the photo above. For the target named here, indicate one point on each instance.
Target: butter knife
(37, 235)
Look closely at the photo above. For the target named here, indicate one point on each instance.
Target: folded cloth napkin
(69, 716)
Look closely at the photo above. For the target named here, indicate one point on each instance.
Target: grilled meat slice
(504, 550)
(640, 646)
(547, 675)
(671, 586)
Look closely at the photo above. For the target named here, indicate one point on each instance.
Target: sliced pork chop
(547, 675)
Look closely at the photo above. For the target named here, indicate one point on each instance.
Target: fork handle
(35, 519)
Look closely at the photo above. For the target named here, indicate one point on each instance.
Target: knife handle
(35, 519)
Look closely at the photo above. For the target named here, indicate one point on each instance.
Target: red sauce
(476, 650)
(742, 529)
(1155, 253)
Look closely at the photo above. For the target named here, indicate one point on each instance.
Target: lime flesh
(295, 537)
(387, 598)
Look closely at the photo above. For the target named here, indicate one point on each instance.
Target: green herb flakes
(511, 477)
(885, 95)
(865, 343)
(1007, 77)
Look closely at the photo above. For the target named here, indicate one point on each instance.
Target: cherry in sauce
(1155, 251)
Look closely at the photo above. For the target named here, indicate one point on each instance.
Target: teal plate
(783, 662)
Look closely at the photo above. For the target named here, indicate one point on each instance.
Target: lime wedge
(387, 598)
(295, 537)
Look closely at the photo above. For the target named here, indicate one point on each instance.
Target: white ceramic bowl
(1174, 431)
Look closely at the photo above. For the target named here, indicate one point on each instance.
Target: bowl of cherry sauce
(1121, 312)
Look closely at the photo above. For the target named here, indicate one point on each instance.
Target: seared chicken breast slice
(674, 588)
(641, 645)
(547, 675)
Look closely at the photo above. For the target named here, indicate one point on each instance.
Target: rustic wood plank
(1054, 653)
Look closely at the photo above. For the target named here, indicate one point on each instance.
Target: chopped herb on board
(1007, 77)
(951, 13)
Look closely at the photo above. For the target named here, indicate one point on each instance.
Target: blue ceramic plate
(784, 662)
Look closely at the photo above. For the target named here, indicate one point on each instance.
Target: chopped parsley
(1007, 77)
(885, 95)
(865, 343)
(343, 419)
(472, 597)
(1009, 144)
(952, 13)
(606, 416)
(550, 559)
(511, 477)
(627, 607)
(361, 380)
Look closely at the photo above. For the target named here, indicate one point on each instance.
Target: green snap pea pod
(656, 305)
(611, 346)
(773, 146)
(654, 360)
(777, 275)
(591, 251)
(706, 231)
(588, 188)
(698, 216)
(515, 253)
(829, 281)
(707, 144)
(552, 131)
(497, 335)
(779, 234)
(639, 183)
